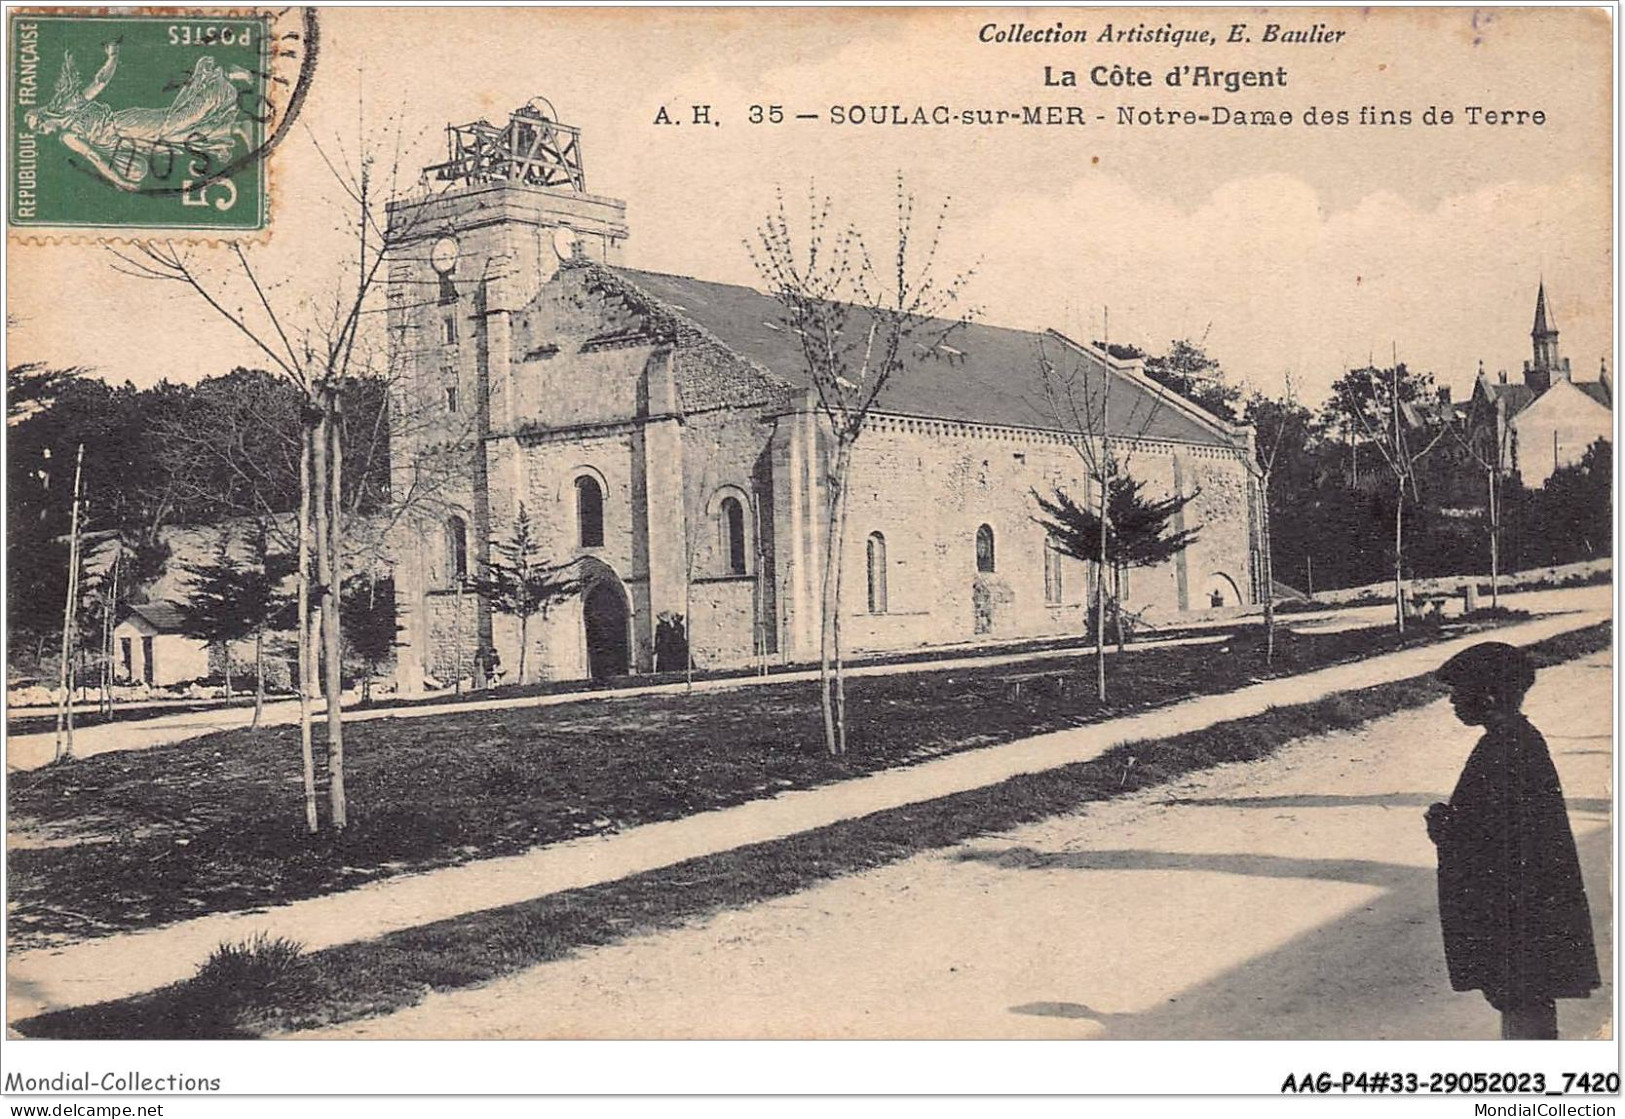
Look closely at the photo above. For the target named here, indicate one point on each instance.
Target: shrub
(1496, 614)
(253, 969)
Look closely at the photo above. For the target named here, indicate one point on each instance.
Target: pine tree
(1138, 531)
(520, 583)
(212, 613)
(232, 601)
(370, 624)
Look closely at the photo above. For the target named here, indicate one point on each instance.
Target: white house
(150, 648)
(1555, 430)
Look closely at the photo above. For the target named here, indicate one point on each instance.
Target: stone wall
(725, 456)
(927, 486)
(451, 621)
(1221, 562)
(924, 486)
(1535, 578)
(721, 630)
(570, 363)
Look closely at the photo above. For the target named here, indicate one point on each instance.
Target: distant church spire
(1542, 322)
(1547, 366)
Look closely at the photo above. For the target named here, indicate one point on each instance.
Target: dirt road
(1288, 898)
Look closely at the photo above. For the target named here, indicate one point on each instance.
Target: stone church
(663, 436)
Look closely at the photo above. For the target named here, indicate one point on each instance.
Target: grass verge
(920, 656)
(368, 978)
(129, 840)
(85, 715)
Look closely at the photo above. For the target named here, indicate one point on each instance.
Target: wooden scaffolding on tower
(532, 148)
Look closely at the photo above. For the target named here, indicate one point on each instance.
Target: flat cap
(1493, 665)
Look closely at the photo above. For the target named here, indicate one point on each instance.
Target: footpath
(30, 751)
(122, 965)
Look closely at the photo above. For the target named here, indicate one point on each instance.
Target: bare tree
(855, 321)
(305, 664)
(1486, 440)
(1272, 422)
(1078, 401)
(1378, 404)
(328, 348)
(242, 450)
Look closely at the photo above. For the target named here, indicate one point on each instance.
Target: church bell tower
(1546, 366)
(475, 243)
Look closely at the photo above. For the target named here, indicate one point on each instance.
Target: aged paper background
(1288, 248)
(1305, 248)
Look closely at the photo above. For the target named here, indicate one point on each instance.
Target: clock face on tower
(443, 256)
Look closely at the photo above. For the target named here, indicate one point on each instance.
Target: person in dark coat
(1511, 903)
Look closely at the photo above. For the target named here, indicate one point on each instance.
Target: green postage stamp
(146, 121)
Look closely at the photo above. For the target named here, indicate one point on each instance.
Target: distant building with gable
(1548, 420)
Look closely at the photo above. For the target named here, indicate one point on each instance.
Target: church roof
(1517, 394)
(1428, 412)
(1597, 391)
(980, 374)
(165, 617)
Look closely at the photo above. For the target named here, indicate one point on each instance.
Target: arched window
(1053, 590)
(457, 549)
(733, 534)
(984, 550)
(589, 512)
(877, 573)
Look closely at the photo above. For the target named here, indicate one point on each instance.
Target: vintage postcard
(1066, 524)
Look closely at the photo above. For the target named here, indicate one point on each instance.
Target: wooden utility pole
(1495, 541)
(759, 608)
(1399, 504)
(1105, 473)
(111, 604)
(64, 711)
(458, 578)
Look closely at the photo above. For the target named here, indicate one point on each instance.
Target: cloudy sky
(1289, 248)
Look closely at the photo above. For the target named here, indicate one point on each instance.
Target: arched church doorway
(604, 612)
(1221, 590)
